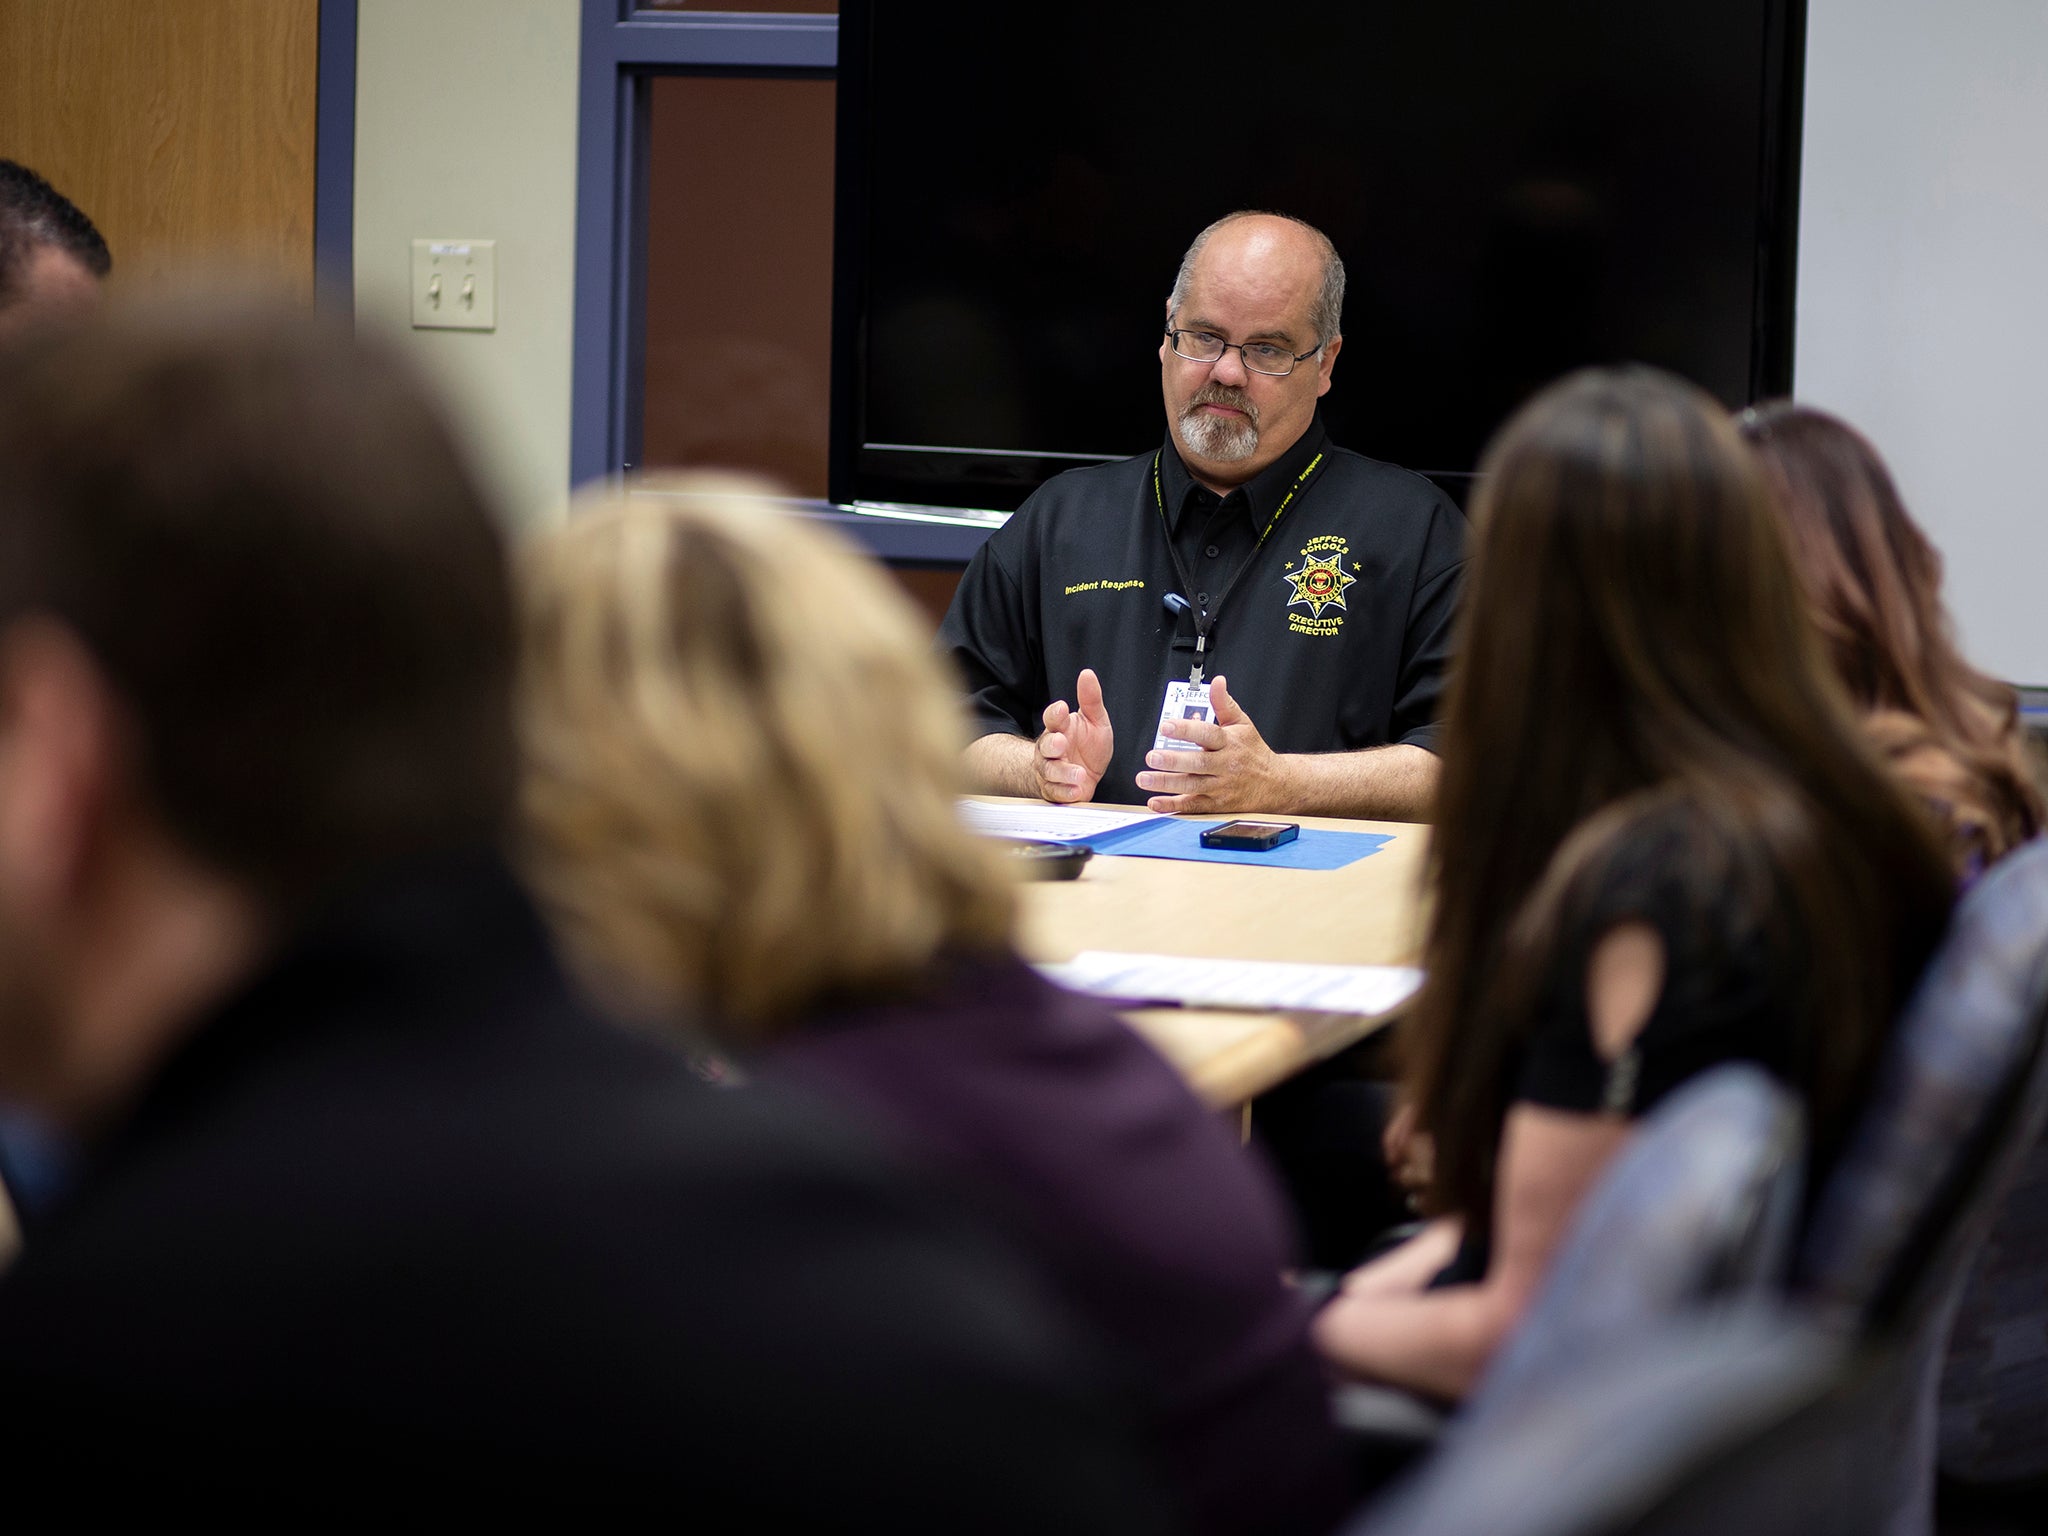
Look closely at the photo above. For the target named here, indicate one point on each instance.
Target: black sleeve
(989, 636)
(1561, 1067)
(1426, 649)
(1728, 992)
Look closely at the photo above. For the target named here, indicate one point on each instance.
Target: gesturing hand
(1074, 752)
(1234, 771)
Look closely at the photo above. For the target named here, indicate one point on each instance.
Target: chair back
(1949, 1114)
(1816, 1465)
(1699, 1207)
(1994, 1384)
(1750, 1418)
(1960, 1096)
(1619, 1430)
(1699, 1204)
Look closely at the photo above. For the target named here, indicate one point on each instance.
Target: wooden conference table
(1367, 913)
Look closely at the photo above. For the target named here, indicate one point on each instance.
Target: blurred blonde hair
(741, 761)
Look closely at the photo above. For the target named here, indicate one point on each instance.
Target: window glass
(739, 277)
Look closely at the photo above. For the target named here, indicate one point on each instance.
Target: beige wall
(1923, 215)
(466, 127)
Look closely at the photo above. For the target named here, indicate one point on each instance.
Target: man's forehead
(1252, 279)
(50, 283)
(1257, 305)
(52, 274)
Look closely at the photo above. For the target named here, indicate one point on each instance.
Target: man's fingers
(1180, 762)
(1175, 783)
(1056, 715)
(1227, 710)
(1052, 745)
(1088, 694)
(1179, 805)
(1209, 738)
(1062, 780)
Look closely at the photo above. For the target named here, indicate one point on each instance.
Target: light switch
(455, 285)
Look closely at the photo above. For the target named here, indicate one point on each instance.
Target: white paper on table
(1047, 823)
(1210, 983)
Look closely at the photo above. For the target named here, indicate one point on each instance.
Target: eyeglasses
(1259, 356)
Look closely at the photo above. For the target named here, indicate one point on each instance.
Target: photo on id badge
(1184, 701)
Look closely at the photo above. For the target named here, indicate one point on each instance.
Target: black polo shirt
(1334, 633)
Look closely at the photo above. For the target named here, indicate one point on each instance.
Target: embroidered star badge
(1320, 582)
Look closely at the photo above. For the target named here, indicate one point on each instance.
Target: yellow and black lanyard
(1205, 618)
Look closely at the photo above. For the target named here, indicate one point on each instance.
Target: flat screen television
(1517, 187)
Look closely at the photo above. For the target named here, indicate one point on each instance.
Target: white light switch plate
(455, 285)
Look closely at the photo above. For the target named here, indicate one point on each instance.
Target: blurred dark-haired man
(363, 1204)
(51, 257)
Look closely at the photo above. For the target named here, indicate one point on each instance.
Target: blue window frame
(334, 159)
(623, 48)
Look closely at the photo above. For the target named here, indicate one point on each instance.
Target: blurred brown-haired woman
(1661, 844)
(1873, 582)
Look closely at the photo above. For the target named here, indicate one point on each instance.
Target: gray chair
(1639, 1435)
(1994, 1382)
(1960, 1097)
(1700, 1205)
(1700, 1210)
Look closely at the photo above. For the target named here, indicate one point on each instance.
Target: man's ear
(1325, 363)
(61, 751)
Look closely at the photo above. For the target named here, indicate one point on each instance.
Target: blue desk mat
(1173, 839)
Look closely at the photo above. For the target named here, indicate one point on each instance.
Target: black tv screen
(1517, 188)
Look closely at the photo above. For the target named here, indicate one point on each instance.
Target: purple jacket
(1136, 1200)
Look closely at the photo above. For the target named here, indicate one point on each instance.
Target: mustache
(1213, 393)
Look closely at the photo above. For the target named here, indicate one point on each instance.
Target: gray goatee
(1225, 439)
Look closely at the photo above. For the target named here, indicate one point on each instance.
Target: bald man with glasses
(1121, 634)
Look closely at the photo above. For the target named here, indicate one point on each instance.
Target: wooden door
(183, 128)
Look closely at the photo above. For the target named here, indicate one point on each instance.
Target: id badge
(1184, 701)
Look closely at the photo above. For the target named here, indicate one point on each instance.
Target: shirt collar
(1262, 495)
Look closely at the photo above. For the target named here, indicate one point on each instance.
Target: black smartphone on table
(1250, 836)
